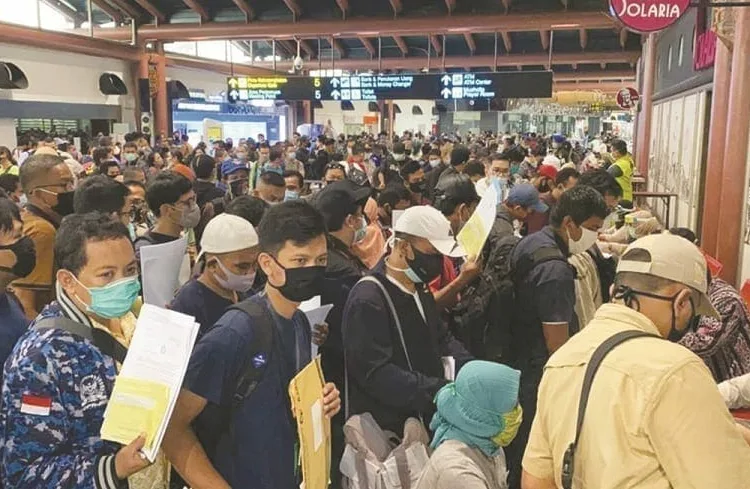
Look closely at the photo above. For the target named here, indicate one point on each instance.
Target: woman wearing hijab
(477, 415)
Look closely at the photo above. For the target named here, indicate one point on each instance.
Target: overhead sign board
(627, 98)
(274, 87)
(446, 86)
(648, 15)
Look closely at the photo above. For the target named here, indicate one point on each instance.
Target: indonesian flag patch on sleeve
(36, 405)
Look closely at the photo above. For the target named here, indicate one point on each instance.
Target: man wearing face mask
(48, 184)
(275, 164)
(414, 179)
(393, 357)
(58, 381)
(545, 297)
(17, 259)
(217, 441)
(498, 177)
(172, 200)
(342, 206)
(229, 254)
(102, 194)
(271, 188)
(685, 436)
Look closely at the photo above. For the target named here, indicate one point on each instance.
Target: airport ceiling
(390, 35)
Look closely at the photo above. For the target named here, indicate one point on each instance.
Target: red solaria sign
(648, 15)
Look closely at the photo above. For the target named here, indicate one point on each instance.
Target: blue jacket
(55, 389)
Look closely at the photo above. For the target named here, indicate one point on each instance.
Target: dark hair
(166, 188)
(460, 155)
(358, 149)
(620, 146)
(248, 208)
(399, 148)
(151, 156)
(78, 229)
(686, 233)
(104, 166)
(100, 154)
(566, 174)
(334, 166)
(275, 154)
(602, 181)
(99, 193)
(204, 166)
(580, 203)
(473, 168)
(9, 182)
(35, 167)
(393, 194)
(410, 167)
(177, 155)
(298, 175)
(8, 214)
(131, 172)
(135, 183)
(130, 144)
(434, 152)
(272, 178)
(453, 190)
(295, 221)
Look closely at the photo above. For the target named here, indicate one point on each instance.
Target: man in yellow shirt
(622, 169)
(654, 417)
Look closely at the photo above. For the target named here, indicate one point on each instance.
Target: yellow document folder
(314, 429)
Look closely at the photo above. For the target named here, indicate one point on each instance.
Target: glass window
(216, 50)
(187, 48)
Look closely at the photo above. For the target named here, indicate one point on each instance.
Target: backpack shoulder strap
(259, 351)
(538, 257)
(101, 339)
(596, 359)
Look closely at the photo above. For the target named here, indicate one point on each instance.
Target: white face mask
(588, 239)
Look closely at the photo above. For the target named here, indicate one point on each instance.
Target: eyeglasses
(66, 185)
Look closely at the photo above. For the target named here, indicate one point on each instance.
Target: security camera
(298, 63)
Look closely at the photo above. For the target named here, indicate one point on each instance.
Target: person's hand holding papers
(129, 459)
(331, 400)
(320, 333)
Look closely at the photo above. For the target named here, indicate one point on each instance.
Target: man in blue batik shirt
(57, 384)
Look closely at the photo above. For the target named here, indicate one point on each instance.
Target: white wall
(406, 121)
(675, 163)
(57, 76)
(7, 133)
(403, 121)
(210, 82)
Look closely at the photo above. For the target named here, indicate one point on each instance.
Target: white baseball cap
(226, 233)
(429, 223)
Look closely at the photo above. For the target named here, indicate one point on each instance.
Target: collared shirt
(41, 228)
(654, 418)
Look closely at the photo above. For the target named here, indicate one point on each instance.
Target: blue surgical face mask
(291, 195)
(276, 169)
(22, 200)
(113, 300)
(131, 230)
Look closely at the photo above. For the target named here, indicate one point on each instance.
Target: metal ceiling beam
(294, 7)
(606, 87)
(127, 8)
(151, 9)
(544, 37)
(507, 41)
(109, 10)
(368, 45)
(68, 12)
(336, 44)
(215, 66)
(436, 44)
(401, 45)
(199, 9)
(287, 47)
(595, 76)
(397, 7)
(71, 43)
(470, 42)
(369, 27)
(583, 38)
(312, 53)
(246, 9)
(416, 63)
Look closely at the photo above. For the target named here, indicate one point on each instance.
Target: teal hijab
(471, 409)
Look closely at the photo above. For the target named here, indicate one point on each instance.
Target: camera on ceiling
(298, 63)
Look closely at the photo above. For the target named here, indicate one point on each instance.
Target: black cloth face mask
(25, 252)
(64, 205)
(627, 295)
(427, 267)
(302, 283)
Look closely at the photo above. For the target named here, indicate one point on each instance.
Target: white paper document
(476, 230)
(161, 268)
(316, 314)
(150, 379)
(449, 368)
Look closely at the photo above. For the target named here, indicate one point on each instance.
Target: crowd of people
(488, 361)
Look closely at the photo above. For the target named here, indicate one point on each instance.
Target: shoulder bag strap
(593, 365)
(101, 339)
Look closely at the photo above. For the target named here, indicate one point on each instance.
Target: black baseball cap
(339, 199)
(457, 188)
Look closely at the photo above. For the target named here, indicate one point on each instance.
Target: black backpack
(256, 360)
(483, 317)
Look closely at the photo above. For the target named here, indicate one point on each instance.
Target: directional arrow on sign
(233, 82)
(335, 82)
(234, 95)
(336, 94)
(446, 79)
(446, 92)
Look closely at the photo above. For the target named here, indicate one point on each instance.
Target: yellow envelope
(135, 406)
(313, 428)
